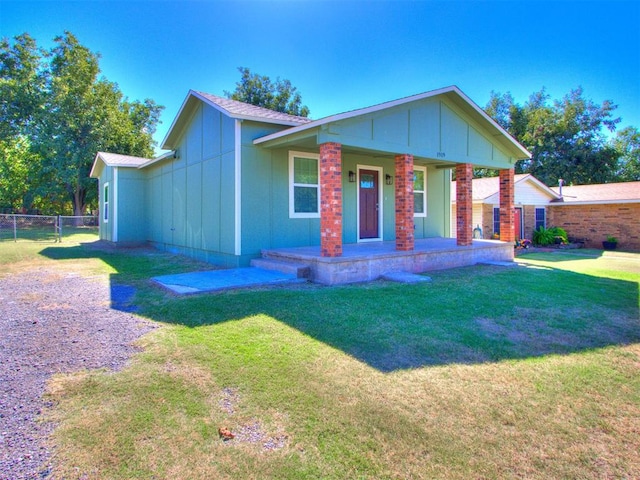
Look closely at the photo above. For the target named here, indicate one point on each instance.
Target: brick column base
(404, 203)
(507, 190)
(331, 199)
(464, 204)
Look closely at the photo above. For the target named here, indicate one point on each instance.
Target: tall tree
(68, 114)
(627, 144)
(260, 90)
(22, 82)
(566, 138)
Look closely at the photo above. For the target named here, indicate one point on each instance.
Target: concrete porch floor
(366, 261)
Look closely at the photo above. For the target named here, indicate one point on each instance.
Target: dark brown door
(368, 204)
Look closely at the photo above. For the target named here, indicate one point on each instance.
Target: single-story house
(531, 201)
(357, 192)
(591, 213)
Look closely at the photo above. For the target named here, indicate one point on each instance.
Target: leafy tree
(16, 171)
(68, 114)
(627, 144)
(259, 90)
(21, 86)
(566, 138)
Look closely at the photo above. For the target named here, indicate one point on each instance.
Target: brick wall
(404, 203)
(464, 204)
(331, 200)
(507, 186)
(594, 223)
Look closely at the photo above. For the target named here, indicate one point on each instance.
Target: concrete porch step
(299, 270)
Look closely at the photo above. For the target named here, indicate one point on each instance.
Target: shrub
(547, 236)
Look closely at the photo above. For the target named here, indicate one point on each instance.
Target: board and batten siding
(430, 128)
(190, 199)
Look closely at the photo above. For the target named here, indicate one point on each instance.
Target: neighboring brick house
(593, 212)
(531, 201)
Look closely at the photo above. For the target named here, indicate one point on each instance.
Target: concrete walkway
(218, 280)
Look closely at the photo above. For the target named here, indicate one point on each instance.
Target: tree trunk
(79, 206)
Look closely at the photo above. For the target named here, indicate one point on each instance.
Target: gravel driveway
(52, 321)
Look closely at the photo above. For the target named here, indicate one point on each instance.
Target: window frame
(105, 202)
(422, 214)
(496, 221)
(292, 185)
(544, 217)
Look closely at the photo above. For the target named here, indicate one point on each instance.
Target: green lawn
(485, 372)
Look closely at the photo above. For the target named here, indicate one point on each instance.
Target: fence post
(15, 229)
(59, 229)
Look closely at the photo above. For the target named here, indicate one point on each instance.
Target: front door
(368, 204)
(517, 223)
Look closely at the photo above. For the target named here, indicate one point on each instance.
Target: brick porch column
(464, 204)
(331, 199)
(507, 227)
(404, 203)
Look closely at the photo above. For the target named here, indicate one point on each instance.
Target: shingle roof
(600, 193)
(247, 111)
(117, 160)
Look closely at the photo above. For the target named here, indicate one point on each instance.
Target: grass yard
(486, 372)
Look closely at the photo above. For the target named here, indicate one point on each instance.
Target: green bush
(547, 236)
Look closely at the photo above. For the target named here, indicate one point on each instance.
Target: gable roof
(233, 109)
(483, 188)
(452, 92)
(625, 192)
(115, 160)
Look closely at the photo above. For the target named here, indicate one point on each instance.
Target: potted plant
(610, 243)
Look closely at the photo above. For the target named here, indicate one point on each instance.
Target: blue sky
(348, 54)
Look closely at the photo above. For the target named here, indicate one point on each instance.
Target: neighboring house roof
(452, 91)
(483, 188)
(233, 109)
(627, 192)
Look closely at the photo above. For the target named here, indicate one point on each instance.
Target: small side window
(105, 203)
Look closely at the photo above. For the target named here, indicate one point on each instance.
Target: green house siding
(223, 198)
(431, 129)
(191, 197)
(130, 213)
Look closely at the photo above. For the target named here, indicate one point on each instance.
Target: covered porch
(362, 262)
(412, 143)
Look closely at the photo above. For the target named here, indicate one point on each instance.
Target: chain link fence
(45, 228)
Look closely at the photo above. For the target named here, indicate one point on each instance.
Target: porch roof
(340, 128)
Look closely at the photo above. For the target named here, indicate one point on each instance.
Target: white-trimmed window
(419, 191)
(304, 185)
(105, 203)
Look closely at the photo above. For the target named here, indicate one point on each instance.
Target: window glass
(418, 202)
(366, 180)
(305, 170)
(540, 217)
(105, 203)
(304, 185)
(305, 199)
(419, 191)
